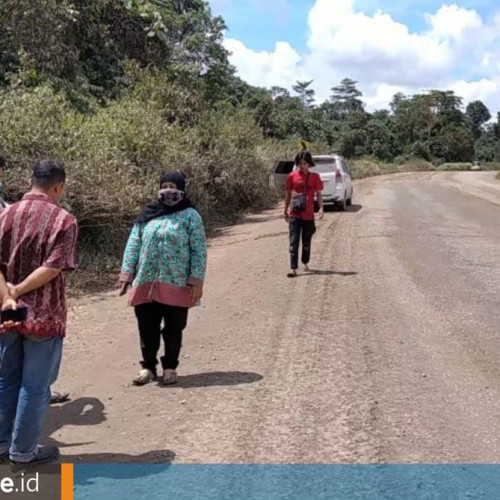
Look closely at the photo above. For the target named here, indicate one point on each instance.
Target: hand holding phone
(18, 315)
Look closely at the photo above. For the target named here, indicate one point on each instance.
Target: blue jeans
(28, 367)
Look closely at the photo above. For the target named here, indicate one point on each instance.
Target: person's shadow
(214, 379)
(318, 272)
(82, 411)
(88, 412)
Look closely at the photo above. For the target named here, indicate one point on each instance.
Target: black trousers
(149, 318)
(305, 229)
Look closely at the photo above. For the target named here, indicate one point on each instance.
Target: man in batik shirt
(38, 242)
(55, 396)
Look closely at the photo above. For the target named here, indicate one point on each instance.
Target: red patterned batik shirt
(37, 232)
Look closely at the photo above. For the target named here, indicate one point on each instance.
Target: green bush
(490, 165)
(370, 167)
(115, 156)
(454, 166)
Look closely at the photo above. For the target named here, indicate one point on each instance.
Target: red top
(37, 232)
(296, 183)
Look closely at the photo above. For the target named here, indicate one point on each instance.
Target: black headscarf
(157, 208)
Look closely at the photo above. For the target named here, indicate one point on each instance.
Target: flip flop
(59, 397)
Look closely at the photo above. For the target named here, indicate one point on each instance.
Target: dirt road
(389, 351)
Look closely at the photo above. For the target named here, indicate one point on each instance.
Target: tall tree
(478, 114)
(346, 98)
(305, 93)
(84, 43)
(279, 93)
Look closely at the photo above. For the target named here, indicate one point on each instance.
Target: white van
(334, 173)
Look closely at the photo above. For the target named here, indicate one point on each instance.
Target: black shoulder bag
(299, 201)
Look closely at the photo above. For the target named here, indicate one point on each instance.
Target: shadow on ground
(318, 272)
(214, 379)
(82, 411)
(354, 208)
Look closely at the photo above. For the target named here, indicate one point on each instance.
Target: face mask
(170, 197)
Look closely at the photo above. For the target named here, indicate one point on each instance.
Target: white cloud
(265, 69)
(481, 89)
(457, 50)
(380, 94)
(453, 21)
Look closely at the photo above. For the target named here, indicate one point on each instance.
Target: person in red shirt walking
(302, 187)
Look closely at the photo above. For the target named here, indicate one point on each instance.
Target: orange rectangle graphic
(67, 490)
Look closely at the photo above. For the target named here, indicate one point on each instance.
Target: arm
(131, 255)
(37, 279)
(288, 196)
(321, 212)
(288, 199)
(62, 257)
(197, 250)
(131, 258)
(198, 256)
(8, 302)
(319, 197)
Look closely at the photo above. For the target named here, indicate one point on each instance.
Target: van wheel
(343, 204)
(349, 201)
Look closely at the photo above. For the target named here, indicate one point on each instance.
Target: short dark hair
(3, 161)
(306, 156)
(48, 173)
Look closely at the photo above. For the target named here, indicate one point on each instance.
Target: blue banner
(286, 482)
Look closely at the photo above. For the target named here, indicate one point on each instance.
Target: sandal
(58, 397)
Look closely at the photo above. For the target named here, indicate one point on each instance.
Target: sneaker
(292, 273)
(169, 377)
(44, 455)
(306, 268)
(143, 377)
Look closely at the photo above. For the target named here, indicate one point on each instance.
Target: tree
(306, 94)
(454, 144)
(397, 101)
(279, 93)
(380, 140)
(345, 98)
(84, 44)
(432, 125)
(478, 114)
(487, 147)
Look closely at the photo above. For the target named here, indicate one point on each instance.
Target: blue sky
(388, 45)
(261, 23)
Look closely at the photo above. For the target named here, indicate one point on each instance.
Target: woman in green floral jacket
(164, 262)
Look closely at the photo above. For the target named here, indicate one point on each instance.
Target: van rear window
(323, 167)
(285, 167)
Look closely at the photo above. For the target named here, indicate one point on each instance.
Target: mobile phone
(17, 316)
